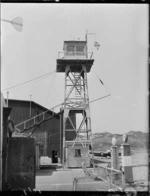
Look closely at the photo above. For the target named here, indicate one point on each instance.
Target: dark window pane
(77, 152)
(70, 48)
(79, 48)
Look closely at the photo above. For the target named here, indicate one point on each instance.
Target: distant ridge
(103, 140)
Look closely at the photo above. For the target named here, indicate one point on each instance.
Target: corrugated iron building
(48, 134)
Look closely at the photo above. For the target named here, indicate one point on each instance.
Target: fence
(118, 177)
(112, 176)
(115, 179)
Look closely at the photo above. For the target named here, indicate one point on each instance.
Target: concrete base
(62, 180)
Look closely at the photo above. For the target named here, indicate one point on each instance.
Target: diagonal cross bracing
(74, 84)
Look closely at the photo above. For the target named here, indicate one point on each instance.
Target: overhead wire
(100, 98)
(102, 83)
(50, 90)
(29, 81)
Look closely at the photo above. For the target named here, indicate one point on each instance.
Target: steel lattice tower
(76, 63)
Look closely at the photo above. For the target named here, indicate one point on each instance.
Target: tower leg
(76, 100)
(65, 116)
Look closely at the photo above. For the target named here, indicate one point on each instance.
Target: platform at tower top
(75, 64)
(75, 55)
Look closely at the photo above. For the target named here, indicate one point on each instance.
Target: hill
(103, 141)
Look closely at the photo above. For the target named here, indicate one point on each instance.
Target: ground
(52, 179)
(62, 180)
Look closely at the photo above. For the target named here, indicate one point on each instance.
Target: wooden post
(37, 157)
(30, 114)
(6, 113)
(60, 127)
(115, 155)
(75, 184)
(7, 97)
(2, 105)
(126, 160)
(115, 161)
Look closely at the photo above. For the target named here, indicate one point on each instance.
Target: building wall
(49, 135)
(2, 105)
(21, 164)
(42, 133)
(70, 135)
(21, 110)
(74, 159)
(53, 139)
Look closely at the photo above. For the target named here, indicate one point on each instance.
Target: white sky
(121, 61)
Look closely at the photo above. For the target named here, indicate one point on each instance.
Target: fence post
(6, 112)
(75, 184)
(126, 160)
(115, 161)
(37, 157)
(114, 155)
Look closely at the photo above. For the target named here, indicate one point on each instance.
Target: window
(79, 48)
(70, 48)
(75, 50)
(77, 152)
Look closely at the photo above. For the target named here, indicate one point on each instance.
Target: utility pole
(30, 105)
(7, 97)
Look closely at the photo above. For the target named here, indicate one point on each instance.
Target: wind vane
(97, 45)
(17, 23)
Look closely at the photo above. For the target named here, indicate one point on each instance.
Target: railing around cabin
(80, 55)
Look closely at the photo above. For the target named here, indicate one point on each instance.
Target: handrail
(108, 168)
(42, 113)
(116, 172)
(96, 175)
(75, 54)
(140, 165)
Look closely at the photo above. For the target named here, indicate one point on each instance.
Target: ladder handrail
(139, 165)
(49, 111)
(36, 124)
(111, 169)
(42, 113)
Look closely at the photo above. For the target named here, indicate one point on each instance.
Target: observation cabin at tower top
(75, 54)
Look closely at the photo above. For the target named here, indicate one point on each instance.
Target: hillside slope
(103, 141)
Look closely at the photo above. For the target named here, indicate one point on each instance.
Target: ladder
(36, 120)
(78, 88)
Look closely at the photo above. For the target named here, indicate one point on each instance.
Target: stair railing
(36, 120)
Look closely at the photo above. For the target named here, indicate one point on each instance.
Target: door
(54, 156)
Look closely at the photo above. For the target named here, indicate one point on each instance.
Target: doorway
(54, 156)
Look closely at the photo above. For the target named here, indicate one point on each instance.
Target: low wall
(21, 165)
